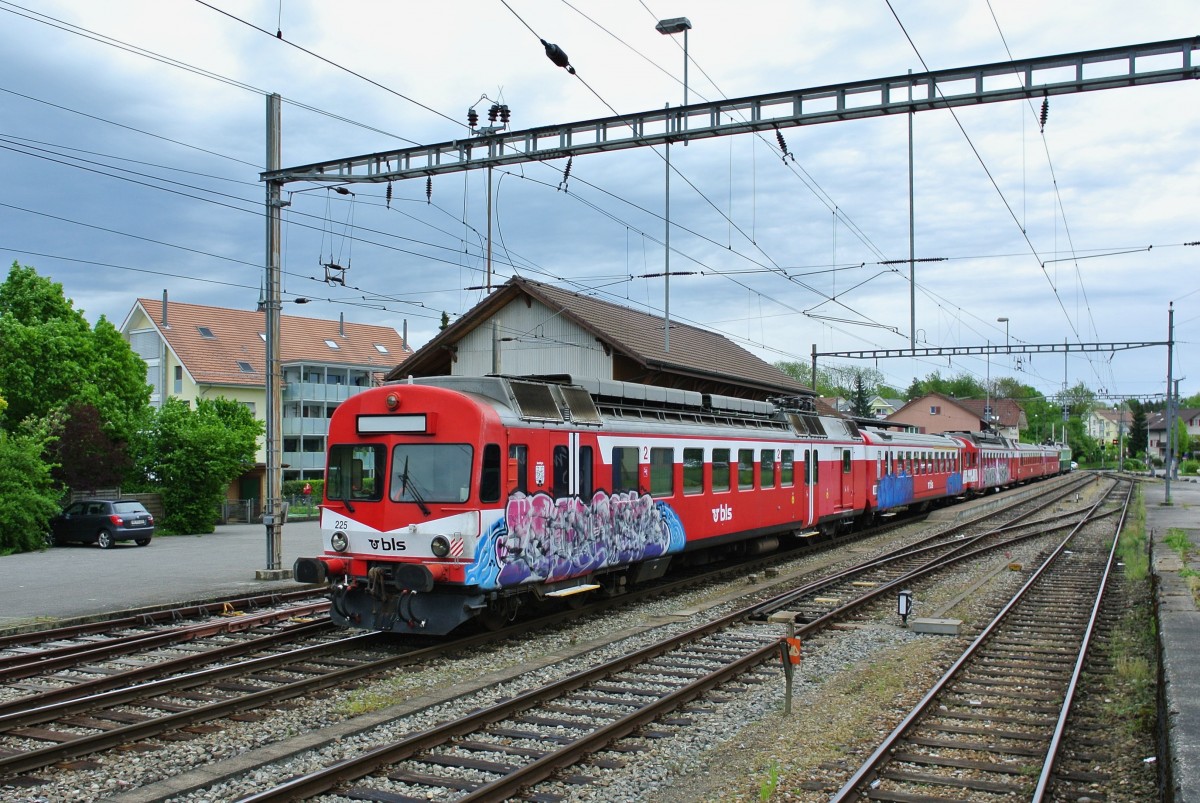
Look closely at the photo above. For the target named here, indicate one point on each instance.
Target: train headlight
(339, 541)
(440, 546)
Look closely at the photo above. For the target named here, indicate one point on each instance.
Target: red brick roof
(236, 338)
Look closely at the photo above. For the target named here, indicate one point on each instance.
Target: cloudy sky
(133, 135)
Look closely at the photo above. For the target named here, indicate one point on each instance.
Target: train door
(846, 472)
(811, 477)
(573, 468)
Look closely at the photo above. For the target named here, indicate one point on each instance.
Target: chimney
(165, 325)
(342, 324)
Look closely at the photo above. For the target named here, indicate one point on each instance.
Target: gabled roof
(1006, 412)
(212, 343)
(695, 353)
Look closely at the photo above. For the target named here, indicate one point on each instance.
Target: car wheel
(52, 540)
(104, 539)
(141, 541)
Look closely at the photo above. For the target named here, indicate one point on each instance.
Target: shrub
(1189, 467)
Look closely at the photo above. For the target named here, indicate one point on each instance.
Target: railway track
(507, 749)
(38, 732)
(992, 726)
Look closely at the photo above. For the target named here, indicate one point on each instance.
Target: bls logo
(722, 513)
(387, 544)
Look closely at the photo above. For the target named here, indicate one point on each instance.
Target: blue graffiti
(895, 490)
(540, 539)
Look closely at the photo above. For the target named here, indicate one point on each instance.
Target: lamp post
(1005, 322)
(668, 27)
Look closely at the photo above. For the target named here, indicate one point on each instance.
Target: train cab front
(399, 523)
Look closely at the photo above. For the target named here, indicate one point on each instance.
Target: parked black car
(103, 522)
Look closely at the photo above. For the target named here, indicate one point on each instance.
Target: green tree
(961, 386)
(191, 457)
(28, 498)
(50, 357)
(1137, 428)
(860, 400)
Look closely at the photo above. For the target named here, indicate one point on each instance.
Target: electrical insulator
(472, 118)
(389, 195)
(493, 112)
(559, 56)
(1045, 112)
(504, 114)
(428, 189)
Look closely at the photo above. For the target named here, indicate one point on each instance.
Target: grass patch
(1179, 541)
(1131, 546)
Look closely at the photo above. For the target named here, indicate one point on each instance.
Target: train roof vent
(578, 402)
(535, 401)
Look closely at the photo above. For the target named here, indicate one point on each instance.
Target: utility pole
(1170, 419)
(273, 493)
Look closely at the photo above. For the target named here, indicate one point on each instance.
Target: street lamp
(673, 26)
(1005, 322)
(666, 28)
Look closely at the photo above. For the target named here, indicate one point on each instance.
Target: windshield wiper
(416, 495)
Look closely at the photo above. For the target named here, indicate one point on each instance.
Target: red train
(454, 498)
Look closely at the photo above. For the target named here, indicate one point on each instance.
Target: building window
(206, 333)
(935, 410)
(382, 349)
(332, 345)
(245, 367)
(179, 379)
(249, 406)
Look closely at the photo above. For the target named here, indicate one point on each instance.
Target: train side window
(693, 471)
(812, 467)
(624, 468)
(720, 470)
(787, 468)
(766, 462)
(518, 461)
(745, 469)
(562, 472)
(489, 477)
(585, 472)
(846, 461)
(662, 472)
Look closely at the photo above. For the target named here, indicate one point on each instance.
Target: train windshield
(356, 471)
(431, 472)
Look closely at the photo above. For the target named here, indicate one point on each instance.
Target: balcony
(293, 426)
(301, 461)
(312, 391)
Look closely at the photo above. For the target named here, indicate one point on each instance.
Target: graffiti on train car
(542, 539)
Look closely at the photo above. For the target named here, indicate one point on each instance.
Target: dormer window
(206, 333)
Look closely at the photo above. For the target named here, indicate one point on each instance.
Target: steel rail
(869, 768)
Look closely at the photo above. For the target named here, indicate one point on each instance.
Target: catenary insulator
(493, 113)
(505, 115)
(472, 118)
(428, 189)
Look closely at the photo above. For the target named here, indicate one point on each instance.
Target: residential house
(527, 328)
(1156, 429)
(882, 408)
(935, 412)
(194, 352)
(1107, 425)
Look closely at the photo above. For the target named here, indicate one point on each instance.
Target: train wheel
(499, 614)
